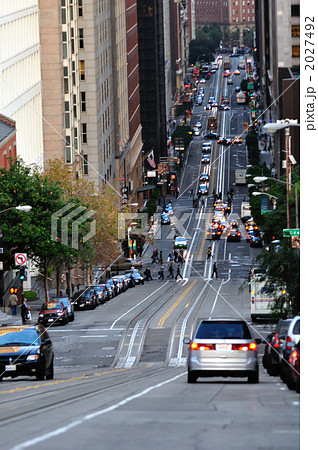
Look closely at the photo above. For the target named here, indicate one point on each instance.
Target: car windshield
(19, 336)
(98, 288)
(52, 305)
(223, 330)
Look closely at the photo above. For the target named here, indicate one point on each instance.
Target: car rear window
(296, 329)
(283, 326)
(223, 330)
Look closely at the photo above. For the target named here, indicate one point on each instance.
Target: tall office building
(20, 76)
(278, 60)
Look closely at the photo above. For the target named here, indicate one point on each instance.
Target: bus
(241, 98)
(212, 119)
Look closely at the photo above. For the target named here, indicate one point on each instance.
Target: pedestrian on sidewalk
(13, 301)
(215, 271)
(161, 274)
(171, 271)
(147, 274)
(24, 311)
(179, 273)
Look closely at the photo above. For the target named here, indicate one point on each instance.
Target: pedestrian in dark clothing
(78, 286)
(154, 257)
(24, 311)
(215, 271)
(147, 274)
(175, 255)
(160, 258)
(161, 274)
(179, 273)
(170, 269)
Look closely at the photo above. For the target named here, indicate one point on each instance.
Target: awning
(147, 187)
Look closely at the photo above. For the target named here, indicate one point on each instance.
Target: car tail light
(239, 234)
(202, 347)
(245, 347)
(289, 342)
(276, 341)
(293, 357)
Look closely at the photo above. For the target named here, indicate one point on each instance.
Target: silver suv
(223, 348)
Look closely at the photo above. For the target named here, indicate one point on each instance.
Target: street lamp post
(272, 128)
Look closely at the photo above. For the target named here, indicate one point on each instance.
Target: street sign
(291, 232)
(295, 241)
(20, 259)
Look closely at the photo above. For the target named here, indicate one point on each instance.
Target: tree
(106, 205)
(184, 132)
(31, 232)
(282, 267)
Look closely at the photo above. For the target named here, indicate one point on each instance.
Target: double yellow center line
(173, 307)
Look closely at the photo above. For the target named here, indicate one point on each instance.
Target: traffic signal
(22, 273)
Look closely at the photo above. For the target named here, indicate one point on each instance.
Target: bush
(29, 295)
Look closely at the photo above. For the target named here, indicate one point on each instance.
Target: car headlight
(60, 313)
(41, 315)
(33, 357)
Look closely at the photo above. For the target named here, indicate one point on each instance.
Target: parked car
(274, 348)
(138, 278)
(52, 313)
(84, 300)
(26, 350)
(293, 377)
(114, 286)
(100, 293)
(223, 348)
(70, 307)
(292, 339)
(131, 281)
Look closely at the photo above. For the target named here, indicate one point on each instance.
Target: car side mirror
(186, 341)
(259, 341)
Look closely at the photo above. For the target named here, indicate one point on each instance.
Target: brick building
(7, 141)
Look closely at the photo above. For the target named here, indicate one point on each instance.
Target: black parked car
(84, 300)
(26, 350)
(274, 348)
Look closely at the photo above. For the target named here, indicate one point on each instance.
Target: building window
(67, 114)
(63, 13)
(65, 70)
(80, 8)
(68, 152)
(74, 107)
(73, 73)
(295, 31)
(85, 164)
(75, 139)
(81, 37)
(295, 11)
(83, 101)
(84, 133)
(295, 51)
(82, 70)
(64, 44)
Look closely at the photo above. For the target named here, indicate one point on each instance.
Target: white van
(262, 298)
(206, 146)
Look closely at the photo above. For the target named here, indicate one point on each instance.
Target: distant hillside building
(7, 141)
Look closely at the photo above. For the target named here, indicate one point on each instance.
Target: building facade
(8, 145)
(278, 53)
(20, 76)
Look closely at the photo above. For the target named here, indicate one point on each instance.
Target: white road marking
(78, 422)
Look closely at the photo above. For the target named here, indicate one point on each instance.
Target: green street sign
(250, 86)
(266, 211)
(291, 232)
